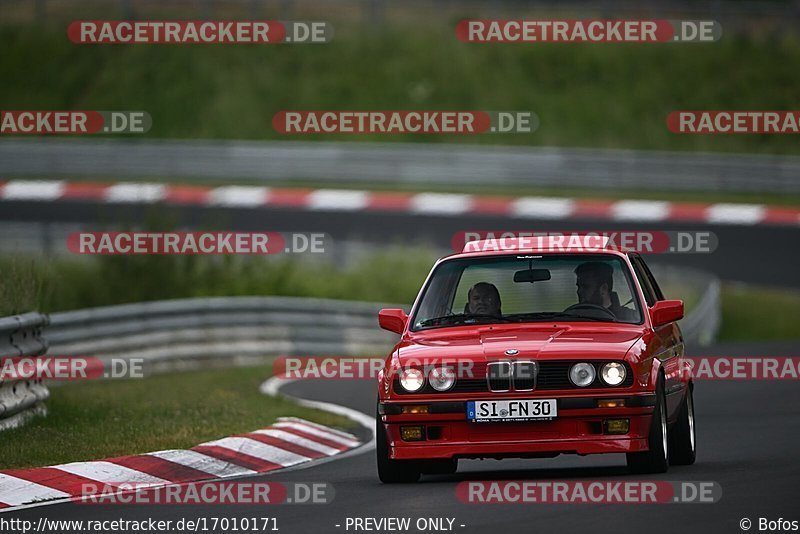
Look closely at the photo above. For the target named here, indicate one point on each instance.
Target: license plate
(511, 410)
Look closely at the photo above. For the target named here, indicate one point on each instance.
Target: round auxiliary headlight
(613, 373)
(442, 378)
(412, 380)
(582, 374)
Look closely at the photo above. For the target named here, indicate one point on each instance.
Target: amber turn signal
(415, 408)
(611, 403)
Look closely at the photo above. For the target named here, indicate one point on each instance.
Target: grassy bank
(391, 276)
(93, 420)
(609, 95)
(753, 313)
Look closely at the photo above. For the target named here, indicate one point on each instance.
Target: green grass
(102, 419)
(394, 275)
(609, 95)
(676, 289)
(755, 313)
(23, 284)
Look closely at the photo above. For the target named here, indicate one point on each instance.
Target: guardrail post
(21, 335)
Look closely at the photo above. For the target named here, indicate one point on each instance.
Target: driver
(483, 299)
(595, 284)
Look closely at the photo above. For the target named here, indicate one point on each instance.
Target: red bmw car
(531, 350)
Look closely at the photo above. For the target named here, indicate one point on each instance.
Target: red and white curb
(289, 442)
(272, 387)
(442, 204)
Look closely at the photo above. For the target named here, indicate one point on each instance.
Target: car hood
(491, 343)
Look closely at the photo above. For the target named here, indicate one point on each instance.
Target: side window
(641, 276)
(656, 290)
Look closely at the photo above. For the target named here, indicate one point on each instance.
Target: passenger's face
(589, 291)
(482, 301)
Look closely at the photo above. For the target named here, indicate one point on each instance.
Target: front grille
(525, 374)
(548, 375)
(498, 376)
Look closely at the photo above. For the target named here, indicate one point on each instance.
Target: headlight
(613, 373)
(412, 380)
(442, 378)
(582, 374)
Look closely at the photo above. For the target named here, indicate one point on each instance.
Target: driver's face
(483, 302)
(589, 291)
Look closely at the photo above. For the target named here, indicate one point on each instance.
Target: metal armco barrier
(701, 324)
(21, 335)
(400, 163)
(187, 333)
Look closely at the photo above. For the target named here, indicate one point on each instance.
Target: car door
(670, 341)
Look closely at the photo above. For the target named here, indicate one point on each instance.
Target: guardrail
(187, 333)
(701, 324)
(21, 335)
(400, 163)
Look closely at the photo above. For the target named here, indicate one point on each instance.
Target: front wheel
(682, 444)
(391, 471)
(656, 458)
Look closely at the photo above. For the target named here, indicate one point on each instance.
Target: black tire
(682, 437)
(392, 471)
(656, 458)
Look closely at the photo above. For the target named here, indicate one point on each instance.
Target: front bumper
(578, 429)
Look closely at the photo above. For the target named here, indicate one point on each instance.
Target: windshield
(521, 288)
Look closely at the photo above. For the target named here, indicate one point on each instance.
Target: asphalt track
(747, 443)
(759, 254)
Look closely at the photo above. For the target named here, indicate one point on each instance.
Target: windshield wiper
(559, 315)
(461, 317)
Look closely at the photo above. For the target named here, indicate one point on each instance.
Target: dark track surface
(747, 436)
(753, 254)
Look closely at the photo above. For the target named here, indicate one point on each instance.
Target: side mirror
(393, 320)
(666, 311)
